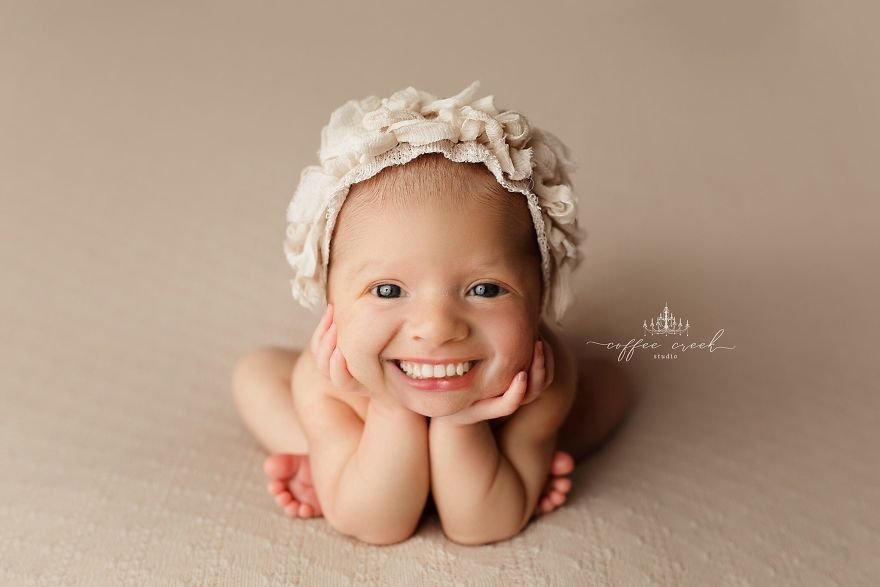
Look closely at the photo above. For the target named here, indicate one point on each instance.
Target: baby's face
(434, 281)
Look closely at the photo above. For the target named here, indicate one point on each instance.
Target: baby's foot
(558, 483)
(292, 485)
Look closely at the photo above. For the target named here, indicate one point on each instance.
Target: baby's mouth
(426, 371)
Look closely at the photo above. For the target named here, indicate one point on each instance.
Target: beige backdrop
(728, 160)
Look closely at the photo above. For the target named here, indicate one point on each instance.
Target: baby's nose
(437, 324)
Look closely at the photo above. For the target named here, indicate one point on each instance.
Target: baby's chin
(433, 409)
(439, 404)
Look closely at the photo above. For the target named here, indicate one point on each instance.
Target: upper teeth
(423, 371)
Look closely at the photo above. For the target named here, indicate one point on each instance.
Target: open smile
(431, 383)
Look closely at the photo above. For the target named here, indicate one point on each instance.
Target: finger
(536, 374)
(550, 364)
(339, 373)
(498, 406)
(320, 329)
(507, 403)
(325, 350)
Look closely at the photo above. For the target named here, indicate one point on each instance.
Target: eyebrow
(365, 266)
(482, 263)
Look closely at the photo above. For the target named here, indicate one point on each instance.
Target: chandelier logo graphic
(665, 325)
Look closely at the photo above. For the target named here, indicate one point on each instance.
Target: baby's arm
(371, 476)
(485, 491)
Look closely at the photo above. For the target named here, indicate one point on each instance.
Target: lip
(452, 383)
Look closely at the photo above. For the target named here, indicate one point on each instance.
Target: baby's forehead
(431, 184)
(431, 175)
(432, 180)
(416, 229)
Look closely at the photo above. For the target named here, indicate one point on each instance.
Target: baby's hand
(546, 358)
(329, 358)
(523, 390)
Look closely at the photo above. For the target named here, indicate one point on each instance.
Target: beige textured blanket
(147, 152)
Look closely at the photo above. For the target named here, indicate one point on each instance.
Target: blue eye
(386, 290)
(488, 290)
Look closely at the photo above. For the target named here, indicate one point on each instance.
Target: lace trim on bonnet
(366, 136)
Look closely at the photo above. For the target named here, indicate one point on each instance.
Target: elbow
(370, 526)
(476, 540)
(369, 530)
(385, 538)
(491, 535)
(469, 541)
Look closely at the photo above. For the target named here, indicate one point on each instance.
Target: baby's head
(435, 260)
(440, 229)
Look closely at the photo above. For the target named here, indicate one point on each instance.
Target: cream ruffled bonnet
(366, 136)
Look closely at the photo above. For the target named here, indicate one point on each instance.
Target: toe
(306, 511)
(283, 499)
(557, 498)
(562, 484)
(291, 509)
(280, 466)
(563, 463)
(275, 487)
(546, 505)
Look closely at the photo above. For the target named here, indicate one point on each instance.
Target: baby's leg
(604, 398)
(263, 395)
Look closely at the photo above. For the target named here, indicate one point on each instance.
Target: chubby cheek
(361, 340)
(510, 351)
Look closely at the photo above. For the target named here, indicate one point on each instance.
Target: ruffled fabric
(365, 136)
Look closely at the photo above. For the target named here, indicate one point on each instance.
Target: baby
(432, 378)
